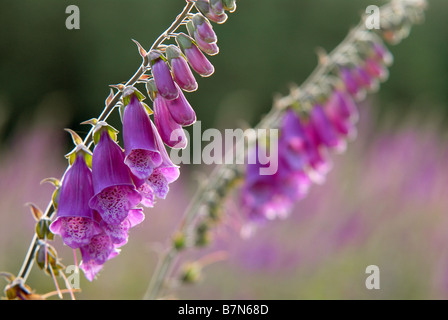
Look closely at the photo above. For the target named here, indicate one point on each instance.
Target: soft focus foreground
(383, 204)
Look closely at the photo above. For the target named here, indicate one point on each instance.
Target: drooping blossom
(181, 71)
(114, 191)
(162, 76)
(195, 57)
(141, 154)
(74, 220)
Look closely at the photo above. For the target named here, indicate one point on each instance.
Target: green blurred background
(51, 78)
(265, 46)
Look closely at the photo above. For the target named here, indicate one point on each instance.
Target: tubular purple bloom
(349, 81)
(74, 220)
(96, 253)
(141, 154)
(293, 142)
(324, 130)
(204, 29)
(162, 76)
(170, 131)
(181, 71)
(165, 174)
(145, 191)
(195, 57)
(363, 78)
(318, 159)
(342, 113)
(204, 7)
(209, 48)
(119, 233)
(181, 110)
(115, 193)
(376, 69)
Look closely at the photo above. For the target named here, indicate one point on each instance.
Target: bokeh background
(384, 202)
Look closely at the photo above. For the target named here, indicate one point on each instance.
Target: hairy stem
(49, 212)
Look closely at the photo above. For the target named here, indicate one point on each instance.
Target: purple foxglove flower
(363, 78)
(376, 69)
(74, 220)
(170, 131)
(217, 7)
(145, 191)
(165, 174)
(382, 54)
(118, 233)
(181, 110)
(115, 193)
(342, 113)
(96, 253)
(209, 48)
(204, 7)
(318, 158)
(204, 29)
(195, 57)
(293, 141)
(162, 76)
(324, 130)
(181, 71)
(141, 154)
(349, 81)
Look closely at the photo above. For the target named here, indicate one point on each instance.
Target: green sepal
(184, 41)
(229, 5)
(100, 127)
(128, 92)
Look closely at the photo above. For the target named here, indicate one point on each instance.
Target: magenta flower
(141, 154)
(114, 192)
(209, 48)
(317, 156)
(163, 175)
(293, 143)
(195, 57)
(118, 233)
(323, 130)
(349, 81)
(181, 71)
(162, 76)
(181, 110)
(170, 131)
(74, 220)
(376, 69)
(342, 113)
(96, 253)
(204, 7)
(204, 29)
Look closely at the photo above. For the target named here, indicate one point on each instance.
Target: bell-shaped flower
(163, 175)
(141, 154)
(195, 57)
(162, 75)
(181, 71)
(96, 253)
(74, 220)
(118, 233)
(170, 131)
(204, 29)
(342, 113)
(293, 143)
(205, 8)
(181, 110)
(324, 131)
(114, 191)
